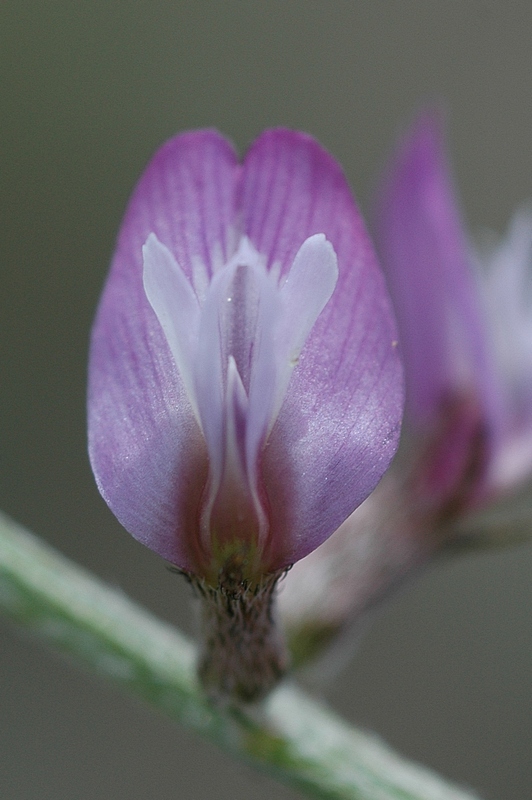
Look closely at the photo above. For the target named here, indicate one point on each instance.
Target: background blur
(88, 91)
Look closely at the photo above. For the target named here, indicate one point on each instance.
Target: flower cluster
(246, 383)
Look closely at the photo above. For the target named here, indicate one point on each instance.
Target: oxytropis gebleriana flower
(466, 447)
(245, 390)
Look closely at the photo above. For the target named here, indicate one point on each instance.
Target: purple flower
(465, 330)
(245, 391)
(465, 327)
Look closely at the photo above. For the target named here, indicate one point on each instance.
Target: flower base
(243, 654)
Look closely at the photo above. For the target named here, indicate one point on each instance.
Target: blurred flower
(466, 340)
(245, 390)
(506, 282)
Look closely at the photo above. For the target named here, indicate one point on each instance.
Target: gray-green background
(88, 91)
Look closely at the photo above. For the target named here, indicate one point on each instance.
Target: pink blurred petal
(426, 258)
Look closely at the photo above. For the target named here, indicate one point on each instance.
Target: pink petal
(338, 427)
(427, 262)
(146, 449)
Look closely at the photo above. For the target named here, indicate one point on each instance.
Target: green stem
(289, 736)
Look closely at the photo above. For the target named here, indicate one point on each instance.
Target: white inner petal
(172, 298)
(306, 291)
(236, 339)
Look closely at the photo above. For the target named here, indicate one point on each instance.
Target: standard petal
(339, 424)
(146, 448)
(427, 263)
